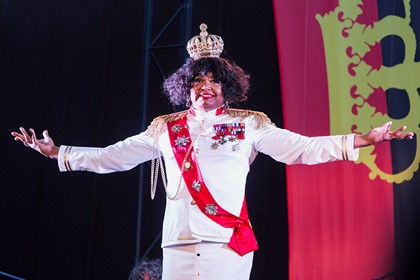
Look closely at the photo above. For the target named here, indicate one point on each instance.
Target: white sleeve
(121, 156)
(292, 148)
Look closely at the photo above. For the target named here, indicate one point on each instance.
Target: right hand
(44, 146)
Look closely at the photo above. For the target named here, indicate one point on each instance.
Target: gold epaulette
(158, 125)
(260, 119)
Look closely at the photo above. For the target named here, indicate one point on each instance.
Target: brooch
(211, 209)
(176, 128)
(196, 185)
(182, 141)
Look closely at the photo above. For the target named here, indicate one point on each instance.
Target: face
(206, 93)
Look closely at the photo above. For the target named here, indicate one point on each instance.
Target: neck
(218, 111)
(203, 109)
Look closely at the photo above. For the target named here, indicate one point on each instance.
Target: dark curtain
(74, 68)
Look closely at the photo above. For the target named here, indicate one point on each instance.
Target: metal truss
(184, 15)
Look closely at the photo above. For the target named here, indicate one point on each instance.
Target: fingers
(387, 126)
(26, 136)
(408, 135)
(383, 129)
(33, 134)
(23, 136)
(18, 136)
(384, 133)
(398, 133)
(399, 130)
(46, 136)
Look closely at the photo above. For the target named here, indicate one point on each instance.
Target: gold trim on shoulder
(158, 125)
(261, 119)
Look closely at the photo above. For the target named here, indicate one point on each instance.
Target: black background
(74, 68)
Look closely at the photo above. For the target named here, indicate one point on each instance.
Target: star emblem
(232, 139)
(222, 140)
(176, 128)
(211, 209)
(196, 185)
(187, 165)
(182, 141)
(235, 148)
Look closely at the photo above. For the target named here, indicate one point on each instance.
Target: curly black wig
(234, 80)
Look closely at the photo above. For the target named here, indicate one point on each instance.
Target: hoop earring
(188, 104)
(226, 105)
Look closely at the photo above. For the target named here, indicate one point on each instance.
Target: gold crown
(205, 45)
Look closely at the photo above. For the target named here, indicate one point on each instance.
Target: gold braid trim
(259, 118)
(158, 125)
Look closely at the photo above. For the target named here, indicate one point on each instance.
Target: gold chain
(155, 173)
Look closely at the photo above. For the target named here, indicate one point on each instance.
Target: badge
(176, 128)
(211, 209)
(233, 130)
(196, 185)
(182, 141)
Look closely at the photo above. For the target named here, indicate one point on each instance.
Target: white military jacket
(224, 162)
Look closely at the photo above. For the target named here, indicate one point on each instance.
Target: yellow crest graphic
(351, 80)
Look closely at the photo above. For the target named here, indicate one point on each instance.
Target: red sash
(243, 239)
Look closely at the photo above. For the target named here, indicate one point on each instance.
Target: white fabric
(205, 261)
(224, 168)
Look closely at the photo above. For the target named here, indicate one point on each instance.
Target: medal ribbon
(243, 239)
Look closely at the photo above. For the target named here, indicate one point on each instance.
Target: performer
(207, 151)
(147, 269)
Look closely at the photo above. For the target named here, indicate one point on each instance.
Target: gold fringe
(158, 125)
(261, 119)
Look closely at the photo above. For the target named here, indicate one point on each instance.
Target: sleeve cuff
(348, 152)
(63, 158)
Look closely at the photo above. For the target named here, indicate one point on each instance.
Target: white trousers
(205, 261)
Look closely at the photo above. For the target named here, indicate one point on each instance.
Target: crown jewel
(205, 45)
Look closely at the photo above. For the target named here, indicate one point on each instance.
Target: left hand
(380, 134)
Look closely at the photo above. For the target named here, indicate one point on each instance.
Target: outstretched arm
(44, 146)
(380, 134)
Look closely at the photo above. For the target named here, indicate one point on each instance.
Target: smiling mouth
(206, 94)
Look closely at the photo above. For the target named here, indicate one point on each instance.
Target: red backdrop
(341, 223)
